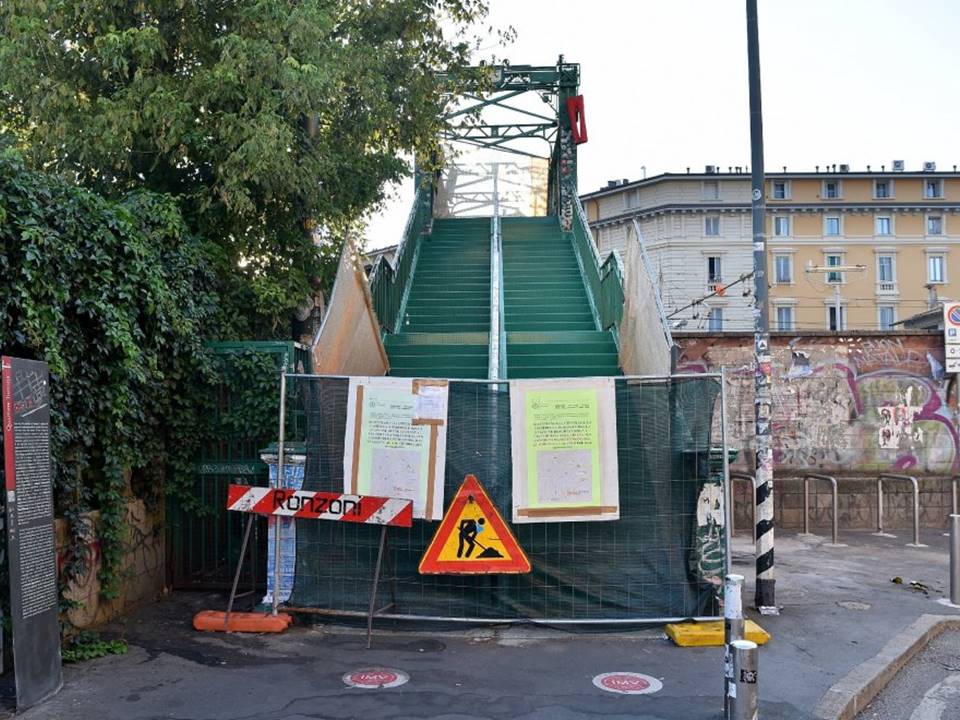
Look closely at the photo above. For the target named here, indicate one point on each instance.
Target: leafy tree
(270, 121)
(113, 295)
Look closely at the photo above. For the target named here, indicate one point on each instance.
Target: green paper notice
(563, 448)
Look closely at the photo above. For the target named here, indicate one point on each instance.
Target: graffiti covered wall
(849, 404)
(142, 569)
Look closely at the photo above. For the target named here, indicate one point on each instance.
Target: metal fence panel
(665, 557)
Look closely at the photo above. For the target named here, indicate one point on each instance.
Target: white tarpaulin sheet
(643, 344)
(348, 342)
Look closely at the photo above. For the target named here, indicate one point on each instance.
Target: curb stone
(854, 692)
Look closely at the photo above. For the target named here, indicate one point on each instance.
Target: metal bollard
(955, 559)
(732, 631)
(744, 704)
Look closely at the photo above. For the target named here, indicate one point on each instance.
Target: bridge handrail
(603, 277)
(389, 284)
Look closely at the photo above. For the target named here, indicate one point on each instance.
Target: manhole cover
(628, 683)
(375, 678)
(853, 605)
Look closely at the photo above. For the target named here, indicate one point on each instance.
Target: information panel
(31, 543)
(564, 447)
(396, 441)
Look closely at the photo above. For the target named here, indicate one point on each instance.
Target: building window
(934, 225)
(884, 225)
(783, 269)
(936, 269)
(633, 199)
(933, 188)
(711, 225)
(781, 190)
(887, 315)
(882, 189)
(885, 269)
(784, 318)
(832, 318)
(711, 190)
(715, 320)
(714, 274)
(831, 225)
(831, 189)
(834, 261)
(781, 226)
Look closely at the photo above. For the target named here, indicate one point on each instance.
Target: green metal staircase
(445, 322)
(550, 324)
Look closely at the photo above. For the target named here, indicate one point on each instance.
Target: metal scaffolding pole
(765, 597)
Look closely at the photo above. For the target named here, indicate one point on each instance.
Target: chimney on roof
(817, 167)
(868, 168)
(611, 183)
(784, 168)
(883, 168)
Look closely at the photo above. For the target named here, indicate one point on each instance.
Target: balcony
(885, 287)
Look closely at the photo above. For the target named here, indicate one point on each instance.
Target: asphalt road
(927, 688)
(840, 610)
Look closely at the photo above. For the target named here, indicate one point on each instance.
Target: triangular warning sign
(473, 538)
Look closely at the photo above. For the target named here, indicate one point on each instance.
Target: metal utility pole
(765, 598)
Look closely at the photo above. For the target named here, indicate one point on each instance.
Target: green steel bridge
(494, 297)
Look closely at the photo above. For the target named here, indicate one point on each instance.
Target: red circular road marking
(628, 683)
(375, 678)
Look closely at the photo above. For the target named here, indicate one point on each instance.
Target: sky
(861, 82)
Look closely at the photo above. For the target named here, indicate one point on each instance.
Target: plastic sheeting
(348, 342)
(643, 344)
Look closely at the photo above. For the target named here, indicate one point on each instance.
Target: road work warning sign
(473, 538)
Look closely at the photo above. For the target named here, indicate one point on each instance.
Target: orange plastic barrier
(212, 621)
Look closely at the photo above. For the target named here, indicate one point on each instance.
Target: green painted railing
(389, 283)
(604, 277)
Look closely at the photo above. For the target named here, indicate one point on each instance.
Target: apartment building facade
(899, 229)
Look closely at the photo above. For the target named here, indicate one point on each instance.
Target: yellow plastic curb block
(704, 634)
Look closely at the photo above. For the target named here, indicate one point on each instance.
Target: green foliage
(114, 296)
(88, 645)
(267, 119)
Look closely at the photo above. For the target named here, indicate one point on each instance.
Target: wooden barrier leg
(376, 582)
(236, 575)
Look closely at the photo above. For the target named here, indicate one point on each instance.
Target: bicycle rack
(916, 504)
(806, 502)
(753, 506)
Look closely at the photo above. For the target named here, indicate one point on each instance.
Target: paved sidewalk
(840, 610)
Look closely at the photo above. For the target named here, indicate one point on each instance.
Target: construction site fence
(664, 558)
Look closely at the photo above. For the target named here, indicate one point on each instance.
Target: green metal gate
(203, 538)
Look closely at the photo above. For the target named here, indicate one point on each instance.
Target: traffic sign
(473, 539)
(951, 336)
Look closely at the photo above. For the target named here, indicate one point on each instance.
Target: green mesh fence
(656, 561)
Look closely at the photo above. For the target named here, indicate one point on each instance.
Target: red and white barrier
(320, 505)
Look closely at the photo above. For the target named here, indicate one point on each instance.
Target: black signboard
(31, 545)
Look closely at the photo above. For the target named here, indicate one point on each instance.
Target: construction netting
(664, 557)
